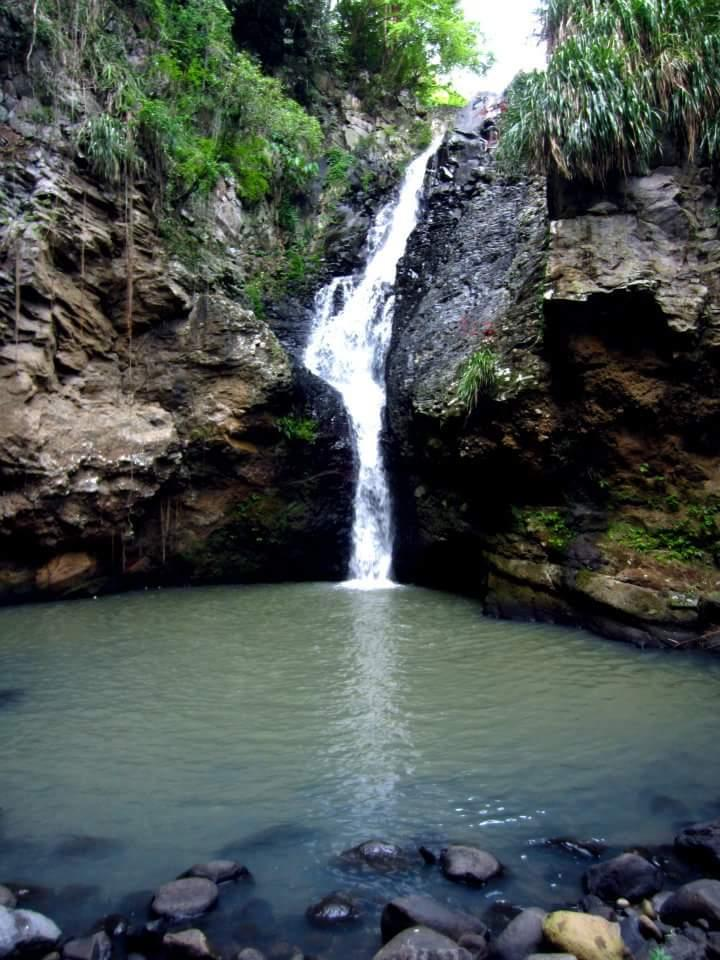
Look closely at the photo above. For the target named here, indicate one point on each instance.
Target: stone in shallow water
(421, 942)
(469, 865)
(699, 900)
(191, 943)
(700, 842)
(418, 910)
(332, 910)
(628, 876)
(584, 936)
(185, 898)
(219, 871)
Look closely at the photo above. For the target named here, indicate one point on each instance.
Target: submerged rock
(700, 843)
(699, 900)
(422, 942)
(629, 876)
(418, 910)
(336, 908)
(470, 865)
(185, 898)
(379, 854)
(584, 848)
(219, 871)
(584, 936)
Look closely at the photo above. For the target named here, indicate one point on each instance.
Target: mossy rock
(584, 936)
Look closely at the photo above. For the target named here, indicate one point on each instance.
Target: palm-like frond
(621, 76)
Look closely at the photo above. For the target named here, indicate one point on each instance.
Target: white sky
(509, 26)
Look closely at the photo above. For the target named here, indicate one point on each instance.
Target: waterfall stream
(347, 348)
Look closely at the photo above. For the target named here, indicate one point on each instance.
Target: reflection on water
(282, 724)
(376, 725)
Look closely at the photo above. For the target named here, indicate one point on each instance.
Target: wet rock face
(158, 450)
(602, 328)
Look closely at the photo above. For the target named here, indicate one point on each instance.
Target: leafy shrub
(107, 144)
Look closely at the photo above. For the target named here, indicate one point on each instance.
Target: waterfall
(347, 348)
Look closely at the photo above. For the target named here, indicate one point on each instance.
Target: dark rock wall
(586, 490)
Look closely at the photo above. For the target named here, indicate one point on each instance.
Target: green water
(282, 724)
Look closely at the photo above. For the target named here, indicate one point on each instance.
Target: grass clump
(478, 379)
(622, 75)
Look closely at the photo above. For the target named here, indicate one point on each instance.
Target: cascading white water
(347, 349)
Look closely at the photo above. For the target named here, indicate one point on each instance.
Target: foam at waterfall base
(369, 583)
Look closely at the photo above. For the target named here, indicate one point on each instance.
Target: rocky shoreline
(645, 904)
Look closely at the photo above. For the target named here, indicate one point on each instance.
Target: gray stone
(522, 936)
(185, 898)
(421, 942)
(190, 943)
(694, 901)
(96, 947)
(418, 910)
(250, 953)
(470, 865)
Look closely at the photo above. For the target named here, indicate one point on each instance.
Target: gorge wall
(584, 488)
(156, 425)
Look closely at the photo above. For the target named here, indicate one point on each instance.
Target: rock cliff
(583, 487)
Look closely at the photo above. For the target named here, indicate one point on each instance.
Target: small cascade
(347, 349)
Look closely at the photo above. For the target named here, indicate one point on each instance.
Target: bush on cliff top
(622, 76)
